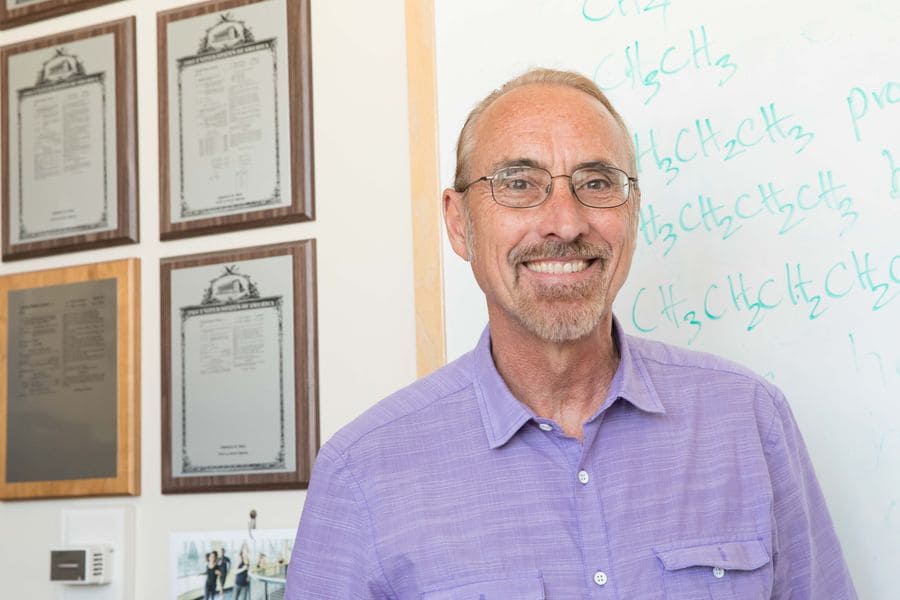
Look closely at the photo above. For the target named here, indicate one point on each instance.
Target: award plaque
(70, 385)
(239, 398)
(70, 160)
(19, 12)
(235, 118)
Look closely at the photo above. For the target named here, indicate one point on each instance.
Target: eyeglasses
(526, 187)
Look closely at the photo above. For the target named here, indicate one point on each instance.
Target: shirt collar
(503, 415)
(632, 381)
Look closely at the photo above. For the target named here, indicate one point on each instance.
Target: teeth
(547, 266)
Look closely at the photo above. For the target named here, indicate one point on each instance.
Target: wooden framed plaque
(239, 375)
(235, 103)
(70, 141)
(70, 381)
(19, 12)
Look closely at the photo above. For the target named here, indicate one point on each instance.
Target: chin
(556, 325)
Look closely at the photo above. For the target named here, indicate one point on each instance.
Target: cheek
(627, 225)
(631, 235)
(491, 266)
(491, 258)
(634, 222)
(629, 243)
(495, 238)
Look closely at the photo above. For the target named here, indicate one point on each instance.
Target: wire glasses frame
(523, 186)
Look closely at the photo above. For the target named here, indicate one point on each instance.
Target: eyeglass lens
(522, 187)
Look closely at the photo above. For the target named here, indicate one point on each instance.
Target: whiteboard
(768, 136)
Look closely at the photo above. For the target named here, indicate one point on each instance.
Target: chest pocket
(519, 588)
(717, 571)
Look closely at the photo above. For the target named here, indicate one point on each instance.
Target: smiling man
(562, 458)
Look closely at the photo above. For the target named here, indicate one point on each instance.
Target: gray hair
(466, 143)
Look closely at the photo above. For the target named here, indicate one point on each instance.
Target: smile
(557, 267)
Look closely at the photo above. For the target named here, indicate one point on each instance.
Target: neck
(566, 382)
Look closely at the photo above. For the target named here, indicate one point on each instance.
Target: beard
(555, 313)
(561, 313)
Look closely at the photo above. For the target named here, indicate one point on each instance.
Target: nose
(562, 215)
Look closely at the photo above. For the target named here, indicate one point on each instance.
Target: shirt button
(718, 572)
(600, 578)
(545, 426)
(583, 477)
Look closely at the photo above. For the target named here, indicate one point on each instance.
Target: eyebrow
(528, 162)
(515, 162)
(595, 164)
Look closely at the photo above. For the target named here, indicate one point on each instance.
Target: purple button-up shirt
(692, 482)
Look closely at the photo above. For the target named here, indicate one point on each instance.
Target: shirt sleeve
(334, 552)
(807, 557)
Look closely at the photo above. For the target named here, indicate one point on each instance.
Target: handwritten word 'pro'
(858, 103)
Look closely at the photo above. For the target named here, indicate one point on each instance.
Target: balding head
(468, 136)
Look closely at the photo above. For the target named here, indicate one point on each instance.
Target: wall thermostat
(81, 565)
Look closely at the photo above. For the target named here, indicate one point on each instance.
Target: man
(212, 576)
(562, 458)
(224, 565)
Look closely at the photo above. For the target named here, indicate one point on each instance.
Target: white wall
(365, 287)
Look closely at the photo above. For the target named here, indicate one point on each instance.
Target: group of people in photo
(218, 568)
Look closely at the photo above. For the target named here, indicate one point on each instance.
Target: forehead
(548, 124)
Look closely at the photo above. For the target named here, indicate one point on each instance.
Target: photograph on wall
(69, 393)
(234, 122)
(239, 385)
(229, 565)
(70, 161)
(20, 12)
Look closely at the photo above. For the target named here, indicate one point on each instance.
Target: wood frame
(425, 186)
(44, 10)
(126, 148)
(299, 73)
(127, 480)
(305, 371)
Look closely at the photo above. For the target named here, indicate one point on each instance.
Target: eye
(517, 184)
(597, 183)
(518, 180)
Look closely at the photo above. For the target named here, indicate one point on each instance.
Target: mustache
(579, 249)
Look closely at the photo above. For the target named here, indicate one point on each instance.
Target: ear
(455, 221)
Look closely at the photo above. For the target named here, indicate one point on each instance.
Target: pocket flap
(742, 556)
(517, 588)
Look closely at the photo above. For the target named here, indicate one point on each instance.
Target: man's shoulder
(661, 355)
(689, 382)
(674, 369)
(415, 408)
